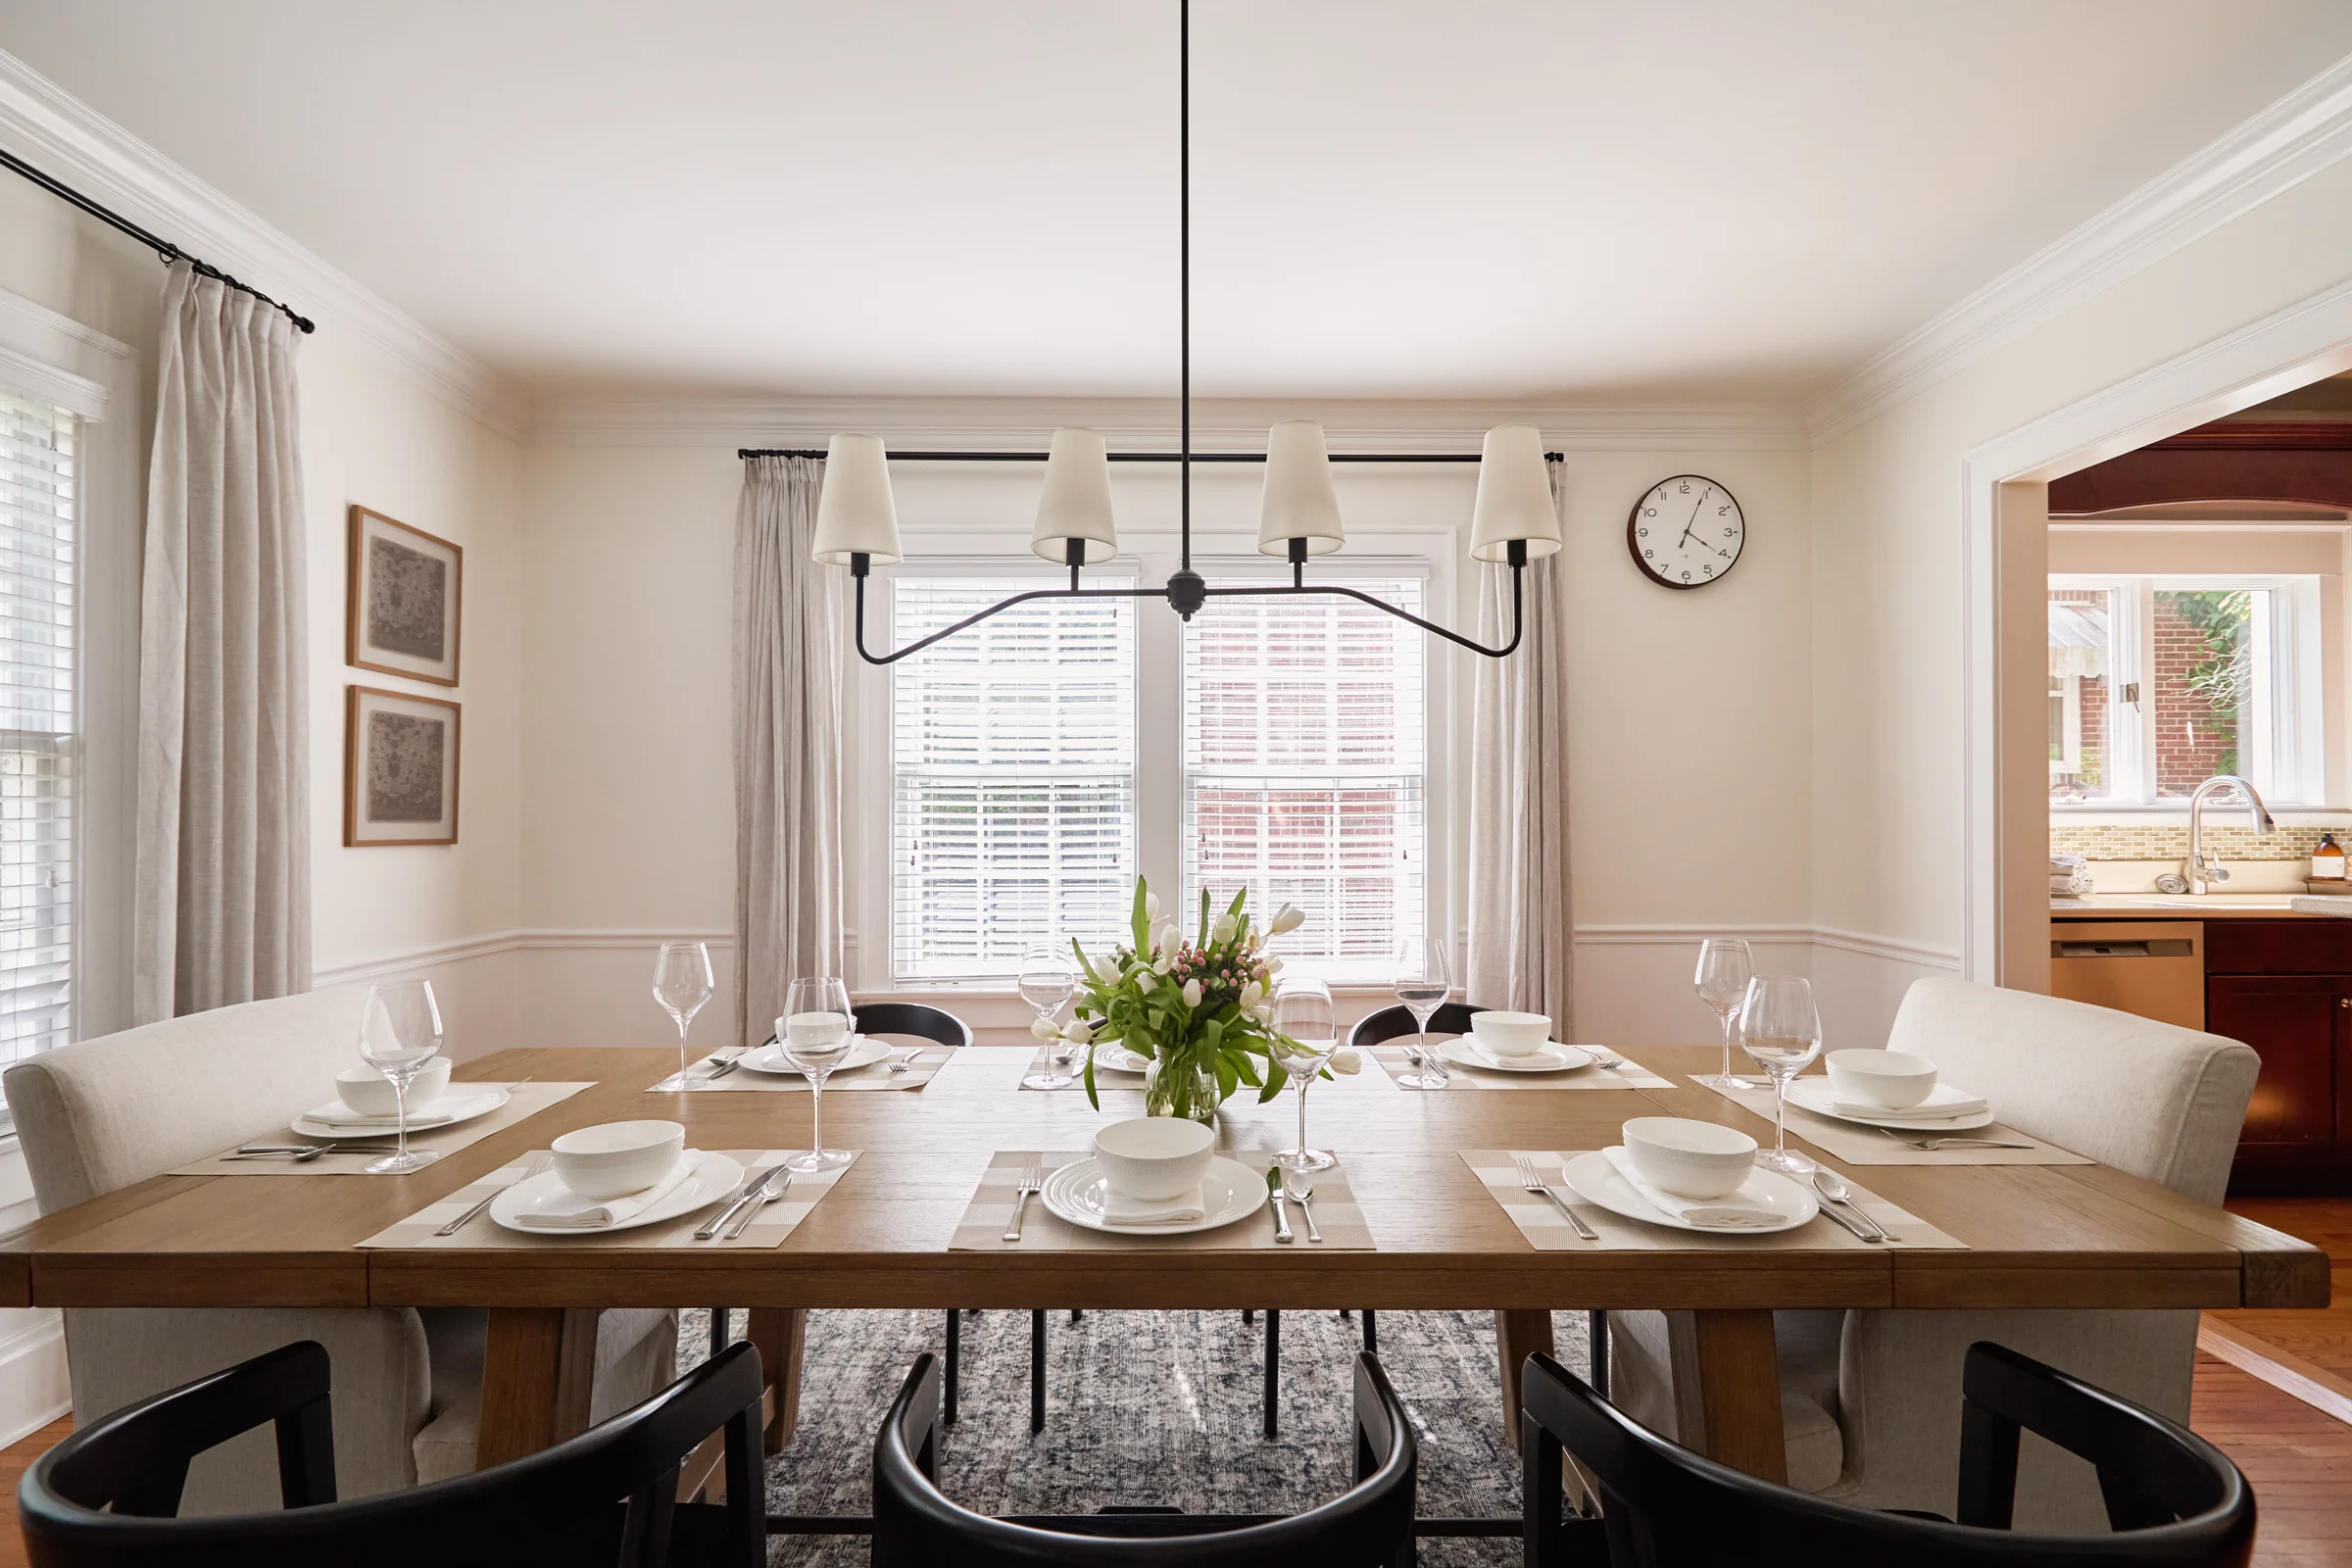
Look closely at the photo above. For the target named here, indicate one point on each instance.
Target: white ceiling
(1580, 199)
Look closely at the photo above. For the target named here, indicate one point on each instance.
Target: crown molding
(2294, 139)
(43, 124)
(1219, 425)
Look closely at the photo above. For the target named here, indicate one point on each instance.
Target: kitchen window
(2158, 684)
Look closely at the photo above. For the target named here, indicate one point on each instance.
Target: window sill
(2224, 814)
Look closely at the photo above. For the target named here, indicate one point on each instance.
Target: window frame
(2291, 772)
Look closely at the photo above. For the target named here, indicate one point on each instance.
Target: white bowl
(369, 1092)
(1511, 1034)
(1153, 1158)
(619, 1158)
(1889, 1078)
(1689, 1159)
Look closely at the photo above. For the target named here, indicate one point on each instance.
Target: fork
(299, 1153)
(1033, 1181)
(1535, 1184)
(904, 1061)
(541, 1163)
(725, 1065)
(1929, 1146)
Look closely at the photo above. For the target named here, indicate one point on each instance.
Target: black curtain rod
(1127, 457)
(162, 247)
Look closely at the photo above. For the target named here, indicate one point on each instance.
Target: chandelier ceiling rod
(819, 453)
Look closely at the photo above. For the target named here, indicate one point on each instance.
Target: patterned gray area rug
(1150, 1407)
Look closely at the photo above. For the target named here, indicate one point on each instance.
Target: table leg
(780, 1333)
(1517, 1336)
(1727, 1389)
(537, 1368)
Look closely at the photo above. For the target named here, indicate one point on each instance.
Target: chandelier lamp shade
(1513, 519)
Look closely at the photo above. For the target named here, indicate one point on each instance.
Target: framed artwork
(405, 589)
(400, 768)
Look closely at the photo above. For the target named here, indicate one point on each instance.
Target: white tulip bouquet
(1198, 1010)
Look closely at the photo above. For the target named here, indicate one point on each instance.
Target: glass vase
(1180, 1087)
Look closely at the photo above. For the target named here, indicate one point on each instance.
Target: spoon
(1831, 1185)
(1301, 1187)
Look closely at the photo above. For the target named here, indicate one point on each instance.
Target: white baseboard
(33, 1387)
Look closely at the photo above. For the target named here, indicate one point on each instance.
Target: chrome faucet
(2204, 867)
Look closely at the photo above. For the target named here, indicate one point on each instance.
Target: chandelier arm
(997, 609)
(1518, 610)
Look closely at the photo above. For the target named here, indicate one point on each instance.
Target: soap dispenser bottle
(2328, 861)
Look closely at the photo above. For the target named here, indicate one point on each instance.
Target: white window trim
(1219, 554)
(2293, 773)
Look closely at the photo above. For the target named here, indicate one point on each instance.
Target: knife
(742, 1196)
(761, 1196)
(1282, 1217)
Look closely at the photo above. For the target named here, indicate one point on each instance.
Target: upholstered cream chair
(1870, 1400)
(106, 1113)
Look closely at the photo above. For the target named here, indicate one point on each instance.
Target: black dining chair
(2172, 1498)
(916, 1526)
(107, 1495)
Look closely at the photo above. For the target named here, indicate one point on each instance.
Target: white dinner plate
(714, 1177)
(1118, 1058)
(335, 1119)
(1464, 1051)
(1821, 1099)
(1596, 1180)
(1231, 1190)
(864, 1051)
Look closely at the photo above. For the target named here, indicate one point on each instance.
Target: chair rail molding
(2294, 139)
(49, 127)
(459, 950)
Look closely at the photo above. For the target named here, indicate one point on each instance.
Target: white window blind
(1303, 769)
(1012, 777)
(39, 743)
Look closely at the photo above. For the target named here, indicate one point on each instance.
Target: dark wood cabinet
(2285, 987)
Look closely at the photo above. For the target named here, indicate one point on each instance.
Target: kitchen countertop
(2211, 907)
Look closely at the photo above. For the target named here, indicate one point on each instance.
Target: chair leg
(1248, 1317)
(1371, 1335)
(718, 1328)
(1037, 1371)
(1596, 1330)
(1273, 1369)
(947, 1381)
(781, 1334)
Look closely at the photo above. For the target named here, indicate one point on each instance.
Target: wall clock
(1686, 532)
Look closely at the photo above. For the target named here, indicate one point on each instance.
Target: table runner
(767, 1228)
(1857, 1145)
(1361, 1079)
(1395, 1063)
(1548, 1230)
(526, 1099)
(921, 1069)
(982, 1228)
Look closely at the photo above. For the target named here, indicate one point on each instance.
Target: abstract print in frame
(406, 590)
(400, 770)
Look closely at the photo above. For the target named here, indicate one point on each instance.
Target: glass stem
(399, 1107)
(1780, 1112)
(817, 1115)
(682, 1052)
(1302, 1115)
(1727, 1050)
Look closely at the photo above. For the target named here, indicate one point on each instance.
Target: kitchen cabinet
(2285, 987)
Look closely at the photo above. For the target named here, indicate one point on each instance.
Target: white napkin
(1185, 1209)
(568, 1211)
(1946, 1103)
(1716, 1213)
(335, 1113)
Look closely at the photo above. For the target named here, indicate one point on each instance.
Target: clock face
(1686, 532)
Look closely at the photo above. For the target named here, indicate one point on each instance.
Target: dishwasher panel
(2155, 968)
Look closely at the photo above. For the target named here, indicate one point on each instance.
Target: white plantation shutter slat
(39, 743)
(1013, 747)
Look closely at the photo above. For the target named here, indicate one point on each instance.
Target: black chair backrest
(935, 1025)
(1371, 1522)
(1395, 1023)
(105, 1497)
(2181, 1501)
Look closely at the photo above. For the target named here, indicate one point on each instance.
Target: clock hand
(1694, 522)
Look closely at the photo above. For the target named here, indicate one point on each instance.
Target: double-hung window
(39, 723)
(2157, 683)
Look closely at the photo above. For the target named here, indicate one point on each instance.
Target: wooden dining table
(2035, 1236)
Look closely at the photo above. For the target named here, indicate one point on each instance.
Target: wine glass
(815, 1032)
(399, 1031)
(1049, 977)
(1422, 981)
(1305, 1034)
(1780, 1029)
(683, 983)
(1725, 966)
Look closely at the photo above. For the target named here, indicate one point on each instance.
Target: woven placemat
(982, 1228)
(1393, 1060)
(1548, 1230)
(523, 1100)
(1857, 1145)
(767, 1228)
(921, 1068)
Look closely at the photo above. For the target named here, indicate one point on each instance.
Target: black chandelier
(1512, 521)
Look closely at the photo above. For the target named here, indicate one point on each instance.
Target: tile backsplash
(2169, 842)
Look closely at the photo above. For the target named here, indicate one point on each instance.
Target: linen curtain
(1521, 929)
(222, 855)
(788, 673)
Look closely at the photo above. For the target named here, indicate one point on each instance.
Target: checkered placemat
(767, 1228)
(921, 1068)
(982, 1228)
(356, 1150)
(1548, 1230)
(1396, 1061)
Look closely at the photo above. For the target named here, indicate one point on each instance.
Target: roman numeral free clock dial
(1686, 532)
